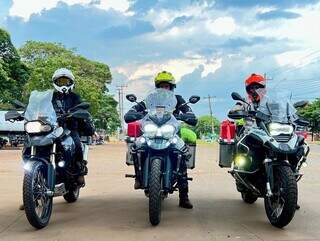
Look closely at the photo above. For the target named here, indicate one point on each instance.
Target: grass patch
(203, 142)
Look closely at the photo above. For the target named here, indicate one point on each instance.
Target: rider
(165, 80)
(256, 89)
(63, 82)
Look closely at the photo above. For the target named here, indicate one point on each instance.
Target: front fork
(269, 171)
(51, 167)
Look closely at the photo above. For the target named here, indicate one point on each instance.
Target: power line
(289, 64)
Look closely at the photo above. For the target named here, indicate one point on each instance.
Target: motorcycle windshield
(161, 102)
(278, 106)
(40, 107)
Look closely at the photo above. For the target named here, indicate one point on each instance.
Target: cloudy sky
(210, 46)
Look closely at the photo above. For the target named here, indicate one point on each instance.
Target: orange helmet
(253, 83)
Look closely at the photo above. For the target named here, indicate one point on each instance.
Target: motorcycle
(48, 155)
(267, 155)
(3, 142)
(155, 149)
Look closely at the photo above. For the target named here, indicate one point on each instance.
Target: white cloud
(301, 31)
(296, 58)
(25, 8)
(178, 67)
(119, 5)
(221, 26)
(161, 18)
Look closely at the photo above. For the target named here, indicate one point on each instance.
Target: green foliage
(312, 113)
(13, 73)
(204, 124)
(44, 58)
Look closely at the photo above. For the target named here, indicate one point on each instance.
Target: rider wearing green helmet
(165, 80)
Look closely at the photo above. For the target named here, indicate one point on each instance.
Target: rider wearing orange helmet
(256, 88)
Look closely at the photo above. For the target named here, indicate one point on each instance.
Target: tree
(311, 113)
(203, 126)
(44, 58)
(13, 73)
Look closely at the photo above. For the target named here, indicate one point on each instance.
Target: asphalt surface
(109, 208)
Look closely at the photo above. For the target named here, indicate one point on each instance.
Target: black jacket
(185, 109)
(68, 101)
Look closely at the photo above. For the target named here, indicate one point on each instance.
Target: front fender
(49, 168)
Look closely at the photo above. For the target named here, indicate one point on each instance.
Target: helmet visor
(63, 81)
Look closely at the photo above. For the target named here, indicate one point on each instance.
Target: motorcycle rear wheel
(72, 195)
(249, 197)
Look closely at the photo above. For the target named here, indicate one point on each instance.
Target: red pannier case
(227, 131)
(134, 129)
(227, 143)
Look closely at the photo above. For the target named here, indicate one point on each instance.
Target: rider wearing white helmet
(63, 82)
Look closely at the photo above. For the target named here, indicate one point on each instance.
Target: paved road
(109, 208)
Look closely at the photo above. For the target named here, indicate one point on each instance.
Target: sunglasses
(164, 86)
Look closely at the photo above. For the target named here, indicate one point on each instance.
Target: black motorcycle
(3, 142)
(48, 156)
(267, 156)
(157, 153)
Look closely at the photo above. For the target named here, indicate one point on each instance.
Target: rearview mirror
(300, 104)
(18, 104)
(13, 115)
(131, 98)
(237, 96)
(194, 99)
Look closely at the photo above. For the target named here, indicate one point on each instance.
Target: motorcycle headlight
(276, 129)
(36, 127)
(150, 130)
(167, 131)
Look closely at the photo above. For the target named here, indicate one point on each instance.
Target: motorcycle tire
(34, 189)
(72, 195)
(249, 197)
(286, 191)
(155, 192)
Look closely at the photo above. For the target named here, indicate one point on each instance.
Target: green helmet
(165, 77)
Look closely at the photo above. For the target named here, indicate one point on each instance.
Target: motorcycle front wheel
(155, 192)
(281, 207)
(37, 203)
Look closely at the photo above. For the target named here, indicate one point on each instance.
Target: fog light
(142, 140)
(241, 161)
(61, 163)
(174, 140)
(304, 164)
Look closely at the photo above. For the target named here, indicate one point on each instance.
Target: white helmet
(63, 80)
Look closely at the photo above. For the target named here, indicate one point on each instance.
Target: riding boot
(184, 200)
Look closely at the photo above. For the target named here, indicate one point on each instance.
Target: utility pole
(210, 101)
(120, 90)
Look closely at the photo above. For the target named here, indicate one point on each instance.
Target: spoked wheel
(281, 207)
(155, 192)
(37, 203)
(72, 195)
